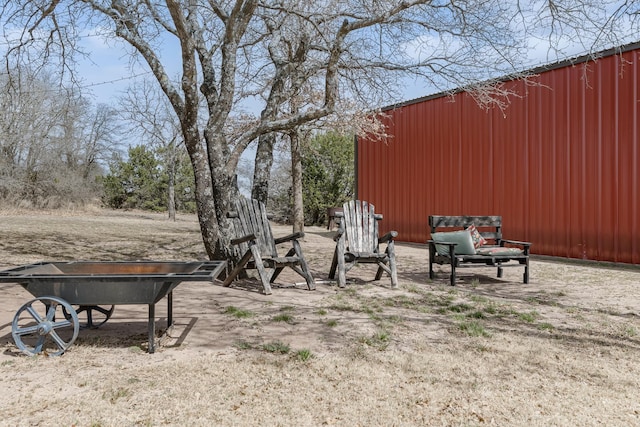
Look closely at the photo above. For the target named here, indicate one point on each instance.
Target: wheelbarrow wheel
(36, 330)
(91, 316)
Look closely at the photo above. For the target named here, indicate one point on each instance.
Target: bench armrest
(515, 242)
(388, 237)
(525, 245)
(289, 237)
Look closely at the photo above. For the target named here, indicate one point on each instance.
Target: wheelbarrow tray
(109, 283)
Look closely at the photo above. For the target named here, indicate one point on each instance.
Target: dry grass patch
(562, 350)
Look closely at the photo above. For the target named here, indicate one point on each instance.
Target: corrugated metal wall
(561, 164)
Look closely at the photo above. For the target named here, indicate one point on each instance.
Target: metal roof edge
(536, 70)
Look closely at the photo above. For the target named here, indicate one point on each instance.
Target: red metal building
(561, 164)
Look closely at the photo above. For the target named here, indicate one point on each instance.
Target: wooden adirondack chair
(357, 242)
(256, 246)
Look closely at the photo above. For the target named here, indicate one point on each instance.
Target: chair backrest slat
(361, 226)
(252, 219)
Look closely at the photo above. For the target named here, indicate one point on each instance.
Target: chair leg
(311, 284)
(334, 264)
(342, 268)
(264, 278)
(237, 269)
(392, 264)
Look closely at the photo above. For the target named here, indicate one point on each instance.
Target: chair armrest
(243, 239)
(289, 237)
(388, 237)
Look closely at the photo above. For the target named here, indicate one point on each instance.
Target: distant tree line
(58, 150)
(52, 142)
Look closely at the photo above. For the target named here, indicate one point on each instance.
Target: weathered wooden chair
(357, 242)
(256, 246)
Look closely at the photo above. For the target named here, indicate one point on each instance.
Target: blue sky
(108, 74)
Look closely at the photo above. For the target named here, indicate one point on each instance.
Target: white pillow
(462, 238)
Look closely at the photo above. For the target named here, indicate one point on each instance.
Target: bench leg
(500, 271)
(431, 255)
(453, 272)
(526, 272)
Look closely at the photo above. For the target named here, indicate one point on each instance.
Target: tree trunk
(262, 168)
(172, 195)
(296, 181)
(171, 168)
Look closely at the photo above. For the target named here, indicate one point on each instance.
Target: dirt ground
(561, 351)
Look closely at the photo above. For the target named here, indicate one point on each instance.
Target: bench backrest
(360, 223)
(490, 227)
(250, 217)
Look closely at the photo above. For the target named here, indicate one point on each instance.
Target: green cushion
(462, 238)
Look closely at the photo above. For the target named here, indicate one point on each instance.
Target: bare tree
(152, 119)
(356, 50)
(51, 141)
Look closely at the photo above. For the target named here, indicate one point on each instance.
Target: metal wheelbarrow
(50, 323)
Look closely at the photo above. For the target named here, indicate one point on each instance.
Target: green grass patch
(379, 340)
(476, 315)
(332, 323)
(401, 301)
(237, 312)
(413, 289)
(479, 299)
(304, 355)
(546, 326)
(473, 328)
(242, 345)
(343, 306)
(284, 317)
(529, 317)
(460, 308)
(276, 347)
